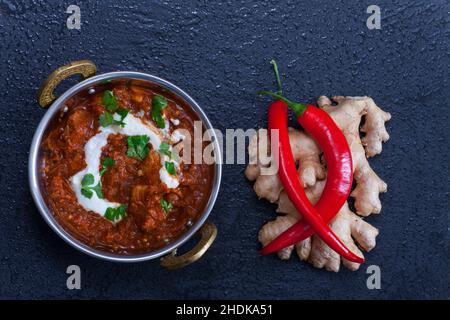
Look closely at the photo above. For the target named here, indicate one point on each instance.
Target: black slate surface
(218, 51)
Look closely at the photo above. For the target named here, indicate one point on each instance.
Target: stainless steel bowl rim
(33, 170)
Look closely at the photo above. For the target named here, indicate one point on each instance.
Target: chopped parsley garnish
(112, 107)
(166, 205)
(170, 167)
(108, 162)
(109, 101)
(115, 214)
(158, 104)
(122, 113)
(88, 189)
(137, 147)
(106, 119)
(164, 148)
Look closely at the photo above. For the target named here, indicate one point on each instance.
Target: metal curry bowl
(46, 98)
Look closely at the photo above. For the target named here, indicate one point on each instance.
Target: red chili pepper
(337, 188)
(339, 177)
(278, 118)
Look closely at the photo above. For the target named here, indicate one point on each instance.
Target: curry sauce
(134, 183)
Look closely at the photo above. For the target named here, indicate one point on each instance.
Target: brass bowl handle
(208, 233)
(84, 67)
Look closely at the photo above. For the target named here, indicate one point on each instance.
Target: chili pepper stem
(298, 108)
(277, 75)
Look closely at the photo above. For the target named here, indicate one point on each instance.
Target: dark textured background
(218, 51)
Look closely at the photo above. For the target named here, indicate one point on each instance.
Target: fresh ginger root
(347, 225)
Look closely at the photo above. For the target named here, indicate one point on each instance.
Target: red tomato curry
(153, 214)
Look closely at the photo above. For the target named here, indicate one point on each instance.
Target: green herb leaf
(108, 162)
(87, 180)
(112, 107)
(160, 122)
(106, 119)
(170, 167)
(109, 101)
(137, 147)
(164, 148)
(110, 213)
(87, 189)
(167, 206)
(158, 104)
(98, 190)
(115, 214)
(122, 112)
(86, 192)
